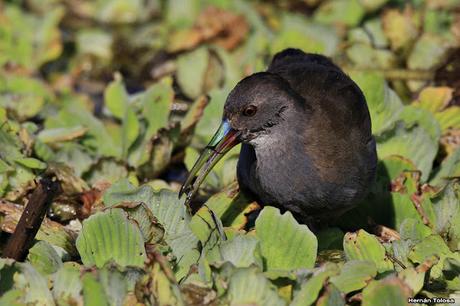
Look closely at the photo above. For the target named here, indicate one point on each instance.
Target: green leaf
(124, 191)
(181, 14)
(364, 55)
(134, 201)
(67, 285)
(344, 12)
(61, 134)
(164, 290)
(296, 32)
(33, 285)
(72, 114)
(57, 236)
(439, 21)
(364, 246)
(116, 12)
(75, 156)
(413, 116)
(428, 52)
(432, 245)
(355, 275)
(110, 236)
(241, 251)
(212, 115)
(284, 243)
(130, 130)
(415, 144)
(400, 28)
(98, 43)
(434, 99)
(375, 29)
(404, 206)
(172, 215)
(156, 103)
(31, 163)
(447, 210)
(389, 291)
(413, 279)
(8, 269)
(191, 69)
(194, 114)
(384, 104)
(44, 258)
(449, 118)
(228, 205)
(115, 284)
(19, 181)
(23, 96)
(451, 272)
(116, 99)
(311, 288)
(3, 117)
(331, 297)
(93, 292)
(414, 230)
(10, 147)
(395, 165)
(247, 286)
(230, 65)
(107, 170)
(30, 40)
(12, 298)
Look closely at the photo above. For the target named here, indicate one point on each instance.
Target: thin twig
(397, 74)
(31, 219)
(396, 260)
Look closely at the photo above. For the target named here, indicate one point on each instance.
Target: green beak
(223, 140)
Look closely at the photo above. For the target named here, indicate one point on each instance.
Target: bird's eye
(250, 111)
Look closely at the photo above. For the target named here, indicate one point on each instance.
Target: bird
(306, 134)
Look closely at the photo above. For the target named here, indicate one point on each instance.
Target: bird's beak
(223, 140)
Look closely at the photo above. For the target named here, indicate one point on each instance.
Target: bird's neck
(283, 143)
(282, 169)
(280, 143)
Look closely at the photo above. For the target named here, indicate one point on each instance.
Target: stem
(31, 219)
(397, 74)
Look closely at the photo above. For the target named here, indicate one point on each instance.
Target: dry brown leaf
(12, 213)
(386, 234)
(451, 140)
(214, 25)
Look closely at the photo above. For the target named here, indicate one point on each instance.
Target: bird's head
(258, 104)
(254, 108)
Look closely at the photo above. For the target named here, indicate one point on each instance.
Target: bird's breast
(277, 176)
(286, 177)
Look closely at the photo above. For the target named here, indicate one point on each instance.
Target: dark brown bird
(307, 144)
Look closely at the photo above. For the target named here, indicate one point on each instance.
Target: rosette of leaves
(110, 236)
